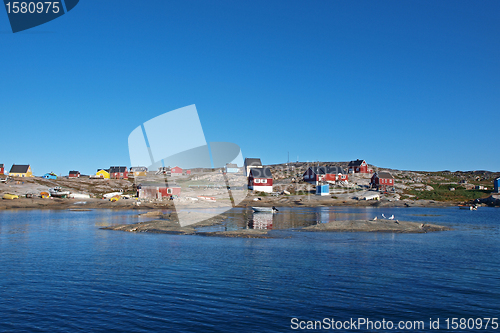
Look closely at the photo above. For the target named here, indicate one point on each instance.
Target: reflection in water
(261, 221)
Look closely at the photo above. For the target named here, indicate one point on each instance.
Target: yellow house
(101, 173)
(21, 171)
(139, 171)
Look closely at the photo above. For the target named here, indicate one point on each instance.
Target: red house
(157, 190)
(176, 171)
(260, 180)
(2, 170)
(325, 174)
(382, 180)
(118, 172)
(359, 166)
(74, 174)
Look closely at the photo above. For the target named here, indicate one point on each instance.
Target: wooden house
(260, 180)
(164, 171)
(317, 174)
(251, 163)
(118, 172)
(359, 166)
(74, 174)
(496, 185)
(176, 171)
(2, 169)
(323, 190)
(232, 168)
(157, 190)
(102, 173)
(382, 181)
(20, 171)
(139, 171)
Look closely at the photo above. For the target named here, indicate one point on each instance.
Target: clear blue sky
(403, 84)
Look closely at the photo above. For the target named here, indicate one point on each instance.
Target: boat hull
(263, 209)
(7, 196)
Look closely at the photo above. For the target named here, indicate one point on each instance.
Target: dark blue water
(60, 272)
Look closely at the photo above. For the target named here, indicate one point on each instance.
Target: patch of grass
(443, 193)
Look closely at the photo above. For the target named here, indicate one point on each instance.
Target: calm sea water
(60, 272)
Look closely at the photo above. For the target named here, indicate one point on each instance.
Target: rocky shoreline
(168, 224)
(281, 201)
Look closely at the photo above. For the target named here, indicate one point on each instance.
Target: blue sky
(408, 85)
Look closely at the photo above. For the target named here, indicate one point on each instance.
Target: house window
(263, 181)
(169, 191)
(256, 181)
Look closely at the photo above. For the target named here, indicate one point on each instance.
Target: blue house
(497, 185)
(50, 175)
(323, 189)
(231, 168)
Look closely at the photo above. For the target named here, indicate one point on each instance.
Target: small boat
(111, 195)
(58, 192)
(79, 196)
(8, 196)
(468, 207)
(265, 209)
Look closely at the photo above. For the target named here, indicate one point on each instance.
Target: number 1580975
(32, 7)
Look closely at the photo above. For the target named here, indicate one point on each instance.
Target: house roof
(261, 173)
(253, 162)
(21, 168)
(231, 165)
(74, 172)
(115, 169)
(323, 170)
(135, 169)
(356, 163)
(107, 170)
(385, 175)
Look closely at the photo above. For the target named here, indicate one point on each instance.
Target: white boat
(473, 207)
(112, 194)
(265, 209)
(79, 196)
(58, 192)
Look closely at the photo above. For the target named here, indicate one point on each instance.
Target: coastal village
(298, 183)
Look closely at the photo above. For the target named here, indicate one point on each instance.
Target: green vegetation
(443, 193)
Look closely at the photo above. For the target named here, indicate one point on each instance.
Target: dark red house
(260, 180)
(157, 190)
(176, 171)
(382, 181)
(118, 172)
(2, 169)
(325, 174)
(359, 166)
(74, 174)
